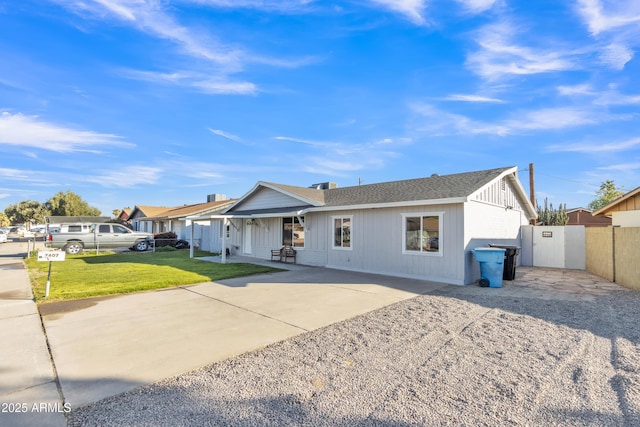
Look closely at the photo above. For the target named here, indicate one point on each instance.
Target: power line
(560, 178)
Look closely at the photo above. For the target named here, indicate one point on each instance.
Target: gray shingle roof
(434, 187)
(431, 188)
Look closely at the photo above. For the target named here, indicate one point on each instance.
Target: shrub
(165, 239)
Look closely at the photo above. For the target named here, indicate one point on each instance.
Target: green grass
(90, 275)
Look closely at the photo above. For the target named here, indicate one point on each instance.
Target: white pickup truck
(100, 236)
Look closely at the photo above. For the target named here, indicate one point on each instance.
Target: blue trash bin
(491, 265)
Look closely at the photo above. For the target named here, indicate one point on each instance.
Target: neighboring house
(125, 214)
(421, 228)
(582, 216)
(140, 213)
(624, 211)
(205, 236)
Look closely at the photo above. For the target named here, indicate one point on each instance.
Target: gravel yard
(459, 356)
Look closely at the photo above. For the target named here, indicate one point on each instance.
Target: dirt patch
(12, 266)
(50, 309)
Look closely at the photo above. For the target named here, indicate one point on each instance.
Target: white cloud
(16, 174)
(226, 135)
(616, 55)
(287, 6)
(609, 96)
(125, 176)
(441, 122)
(477, 6)
(324, 154)
(556, 118)
(198, 81)
(607, 15)
(222, 87)
(473, 98)
(500, 56)
(411, 9)
(30, 131)
(596, 147)
(622, 167)
(151, 18)
(583, 89)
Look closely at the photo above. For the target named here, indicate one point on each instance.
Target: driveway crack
(244, 309)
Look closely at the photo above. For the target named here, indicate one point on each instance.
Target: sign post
(50, 256)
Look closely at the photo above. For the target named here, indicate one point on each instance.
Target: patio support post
(223, 251)
(191, 240)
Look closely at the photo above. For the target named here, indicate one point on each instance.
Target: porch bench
(276, 254)
(283, 254)
(288, 253)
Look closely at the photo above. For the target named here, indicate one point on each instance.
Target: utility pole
(532, 191)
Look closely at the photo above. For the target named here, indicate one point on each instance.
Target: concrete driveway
(105, 346)
(108, 345)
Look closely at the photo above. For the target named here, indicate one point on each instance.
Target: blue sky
(161, 102)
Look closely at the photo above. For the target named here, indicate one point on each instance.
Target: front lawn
(90, 275)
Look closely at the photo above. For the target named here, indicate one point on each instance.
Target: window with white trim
(421, 233)
(342, 232)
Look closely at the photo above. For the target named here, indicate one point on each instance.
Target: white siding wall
(485, 223)
(500, 193)
(266, 198)
(315, 240)
(376, 244)
(265, 236)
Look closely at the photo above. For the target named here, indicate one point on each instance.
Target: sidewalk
(28, 390)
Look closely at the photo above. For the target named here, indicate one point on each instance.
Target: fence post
(613, 252)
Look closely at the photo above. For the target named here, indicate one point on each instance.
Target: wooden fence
(614, 254)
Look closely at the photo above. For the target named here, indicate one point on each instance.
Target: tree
(27, 211)
(70, 204)
(550, 216)
(4, 219)
(607, 193)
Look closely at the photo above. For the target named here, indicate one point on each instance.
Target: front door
(246, 244)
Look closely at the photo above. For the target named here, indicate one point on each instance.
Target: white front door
(246, 244)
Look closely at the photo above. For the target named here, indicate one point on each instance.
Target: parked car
(3, 237)
(99, 236)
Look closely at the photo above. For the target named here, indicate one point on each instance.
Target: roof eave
(605, 209)
(445, 201)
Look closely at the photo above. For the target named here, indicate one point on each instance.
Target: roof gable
(627, 202)
(199, 208)
(267, 196)
(147, 211)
